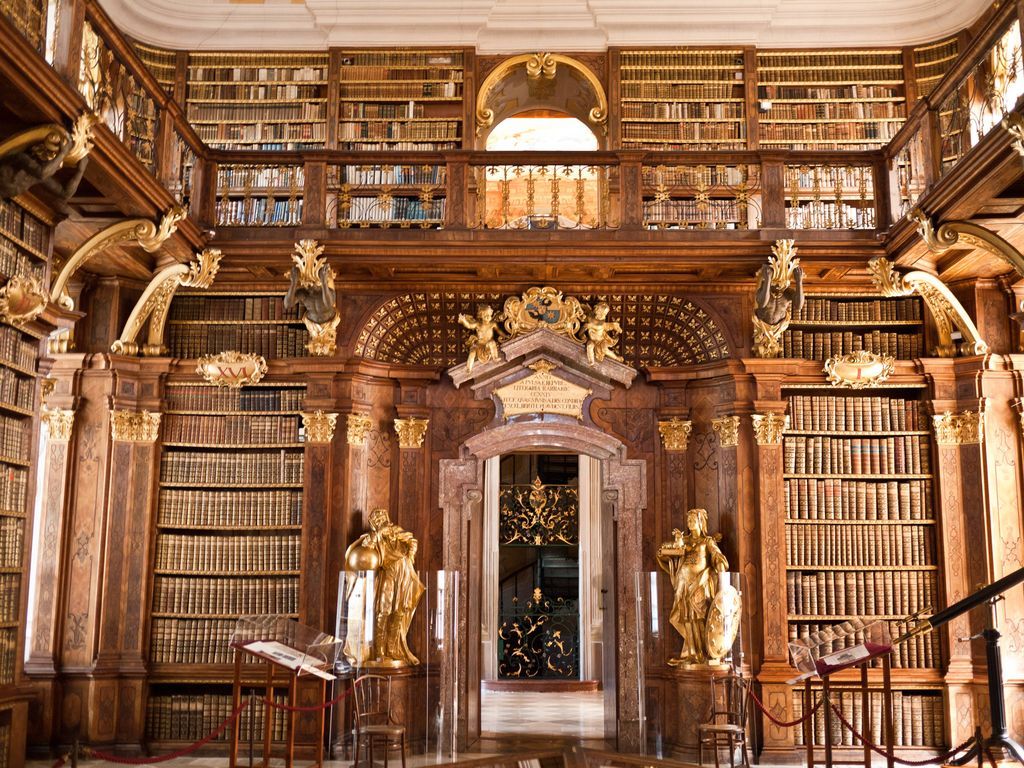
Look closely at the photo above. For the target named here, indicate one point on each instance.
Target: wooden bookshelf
(178, 715)
(702, 196)
(260, 195)
(932, 62)
(400, 100)
(860, 523)
(918, 718)
(265, 101)
(387, 196)
(830, 100)
(208, 323)
(887, 326)
(161, 62)
(682, 99)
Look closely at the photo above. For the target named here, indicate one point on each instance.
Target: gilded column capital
(675, 433)
(958, 428)
(768, 427)
(134, 426)
(728, 430)
(411, 432)
(319, 426)
(358, 425)
(59, 421)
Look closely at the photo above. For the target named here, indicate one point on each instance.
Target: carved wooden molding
(319, 426)
(946, 310)
(411, 432)
(155, 302)
(958, 428)
(728, 430)
(60, 422)
(768, 427)
(675, 433)
(358, 428)
(950, 233)
(134, 426)
(142, 231)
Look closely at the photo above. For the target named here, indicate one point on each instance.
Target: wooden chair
(727, 726)
(373, 719)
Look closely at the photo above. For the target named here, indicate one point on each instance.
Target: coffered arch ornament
(155, 302)
(947, 311)
(541, 80)
(423, 329)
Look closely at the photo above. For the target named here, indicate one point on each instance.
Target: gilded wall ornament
(780, 293)
(232, 369)
(1013, 123)
(958, 428)
(945, 308)
(46, 387)
(22, 300)
(543, 308)
(311, 287)
(411, 432)
(728, 430)
(59, 422)
(704, 612)
(358, 428)
(319, 426)
(859, 369)
(768, 427)
(134, 426)
(675, 433)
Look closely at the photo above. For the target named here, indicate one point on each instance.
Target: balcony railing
(469, 190)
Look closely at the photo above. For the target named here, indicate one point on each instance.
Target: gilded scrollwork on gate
(538, 639)
(538, 514)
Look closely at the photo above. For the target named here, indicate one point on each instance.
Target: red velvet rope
(61, 761)
(89, 752)
(782, 723)
(937, 760)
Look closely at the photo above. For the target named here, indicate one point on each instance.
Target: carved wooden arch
(538, 68)
(623, 499)
(422, 329)
(155, 302)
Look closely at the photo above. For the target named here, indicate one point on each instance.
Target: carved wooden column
(316, 480)
(775, 669)
(675, 439)
(357, 429)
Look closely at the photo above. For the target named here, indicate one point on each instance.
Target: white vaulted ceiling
(505, 26)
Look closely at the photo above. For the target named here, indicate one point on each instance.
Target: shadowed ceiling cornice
(504, 26)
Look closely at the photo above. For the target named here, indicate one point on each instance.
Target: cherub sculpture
(312, 289)
(598, 332)
(483, 344)
(33, 159)
(780, 293)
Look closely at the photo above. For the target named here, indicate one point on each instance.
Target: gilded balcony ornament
(59, 422)
(134, 426)
(154, 304)
(959, 428)
(232, 369)
(358, 428)
(142, 231)
(319, 426)
(22, 300)
(728, 430)
(411, 432)
(780, 293)
(946, 309)
(311, 288)
(675, 433)
(768, 427)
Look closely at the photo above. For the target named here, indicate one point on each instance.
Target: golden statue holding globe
(380, 568)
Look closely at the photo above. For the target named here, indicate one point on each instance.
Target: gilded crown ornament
(705, 611)
(411, 432)
(959, 428)
(134, 426)
(728, 430)
(675, 433)
(780, 293)
(319, 426)
(59, 422)
(768, 427)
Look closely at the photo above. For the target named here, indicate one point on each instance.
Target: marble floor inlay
(531, 713)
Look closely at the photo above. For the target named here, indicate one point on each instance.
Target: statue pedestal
(684, 704)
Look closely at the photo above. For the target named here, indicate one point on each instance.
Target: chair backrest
(729, 699)
(372, 694)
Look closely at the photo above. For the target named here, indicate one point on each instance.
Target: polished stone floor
(575, 715)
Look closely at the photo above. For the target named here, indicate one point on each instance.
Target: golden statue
(704, 615)
(483, 345)
(387, 553)
(597, 331)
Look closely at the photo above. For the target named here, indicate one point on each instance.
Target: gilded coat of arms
(543, 308)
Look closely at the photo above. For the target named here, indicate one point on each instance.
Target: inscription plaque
(542, 392)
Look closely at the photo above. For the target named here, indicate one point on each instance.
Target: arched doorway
(623, 497)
